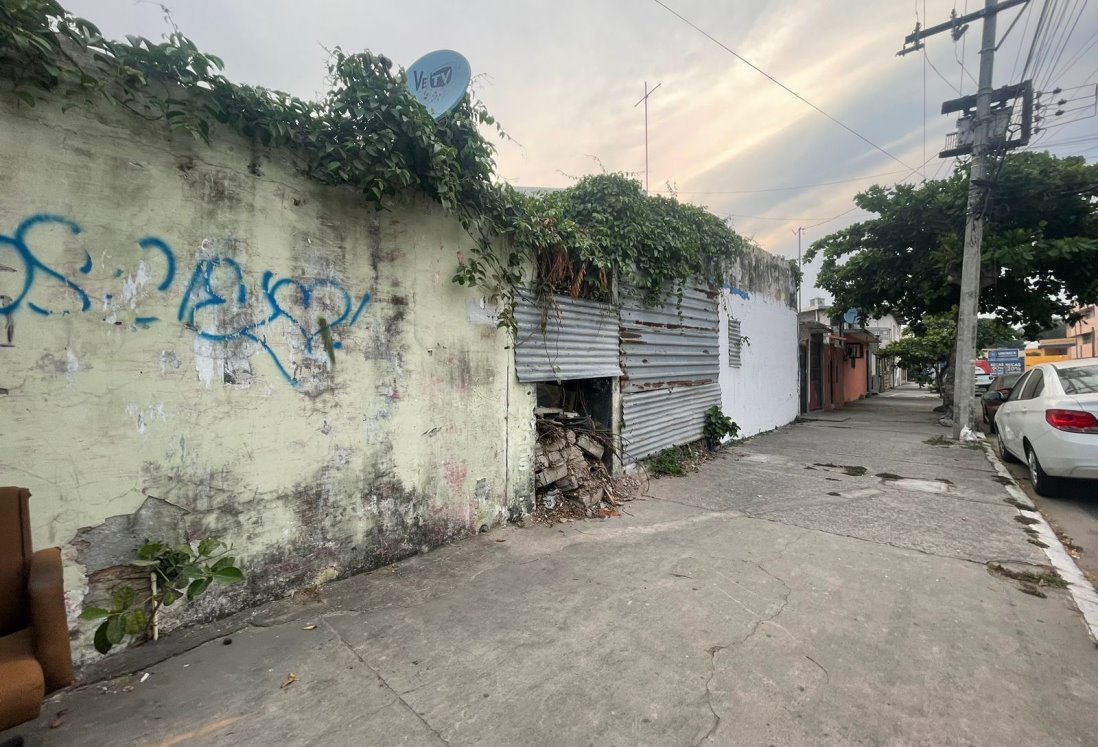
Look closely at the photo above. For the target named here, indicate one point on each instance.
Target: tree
(991, 333)
(1040, 250)
(924, 345)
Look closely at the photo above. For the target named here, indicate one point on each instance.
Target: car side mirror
(996, 396)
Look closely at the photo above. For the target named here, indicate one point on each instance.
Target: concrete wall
(763, 393)
(166, 376)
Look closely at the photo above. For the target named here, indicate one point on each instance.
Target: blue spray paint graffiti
(216, 292)
(737, 291)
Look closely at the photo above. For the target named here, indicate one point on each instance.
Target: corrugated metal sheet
(580, 341)
(672, 345)
(670, 361)
(659, 419)
(735, 343)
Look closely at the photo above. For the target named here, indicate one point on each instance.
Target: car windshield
(1079, 380)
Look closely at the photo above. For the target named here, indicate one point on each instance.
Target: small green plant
(181, 571)
(938, 441)
(667, 462)
(717, 426)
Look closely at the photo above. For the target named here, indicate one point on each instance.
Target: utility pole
(644, 100)
(983, 139)
(800, 233)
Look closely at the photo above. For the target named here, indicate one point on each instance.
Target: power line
(781, 189)
(1063, 44)
(774, 80)
(767, 217)
(1027, 12)
(1037, 32)
(1086, 47)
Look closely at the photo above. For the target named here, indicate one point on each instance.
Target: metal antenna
(644, 100)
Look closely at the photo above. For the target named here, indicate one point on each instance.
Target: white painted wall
(763, 393)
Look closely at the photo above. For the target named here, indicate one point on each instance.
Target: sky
(563, 76)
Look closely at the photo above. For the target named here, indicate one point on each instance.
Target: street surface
(1073, 514)
(826, 583)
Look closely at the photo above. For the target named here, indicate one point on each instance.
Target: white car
(983, 379)
(1050, 421)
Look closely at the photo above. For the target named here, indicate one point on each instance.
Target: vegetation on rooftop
(368, 132)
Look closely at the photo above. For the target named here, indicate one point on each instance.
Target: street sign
(438, 80)
(1004, 361)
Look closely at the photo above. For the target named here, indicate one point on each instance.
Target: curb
(1086, 598)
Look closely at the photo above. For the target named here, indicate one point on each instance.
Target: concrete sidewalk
(822, 584)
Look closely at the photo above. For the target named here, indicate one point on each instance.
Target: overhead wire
(1028, 13)
(926, 57)
(1065, 39)
(1084, 48)
(783, 189)
(777, 82)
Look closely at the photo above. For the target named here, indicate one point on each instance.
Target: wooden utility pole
(983, 139)
(644, 100)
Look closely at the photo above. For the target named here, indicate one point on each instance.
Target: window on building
(735, 343)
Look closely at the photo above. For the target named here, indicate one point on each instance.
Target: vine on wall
(369, 132)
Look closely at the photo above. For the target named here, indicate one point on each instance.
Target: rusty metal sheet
(675, 344)
(576, 339)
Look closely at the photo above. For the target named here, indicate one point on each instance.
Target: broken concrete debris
(571, 476)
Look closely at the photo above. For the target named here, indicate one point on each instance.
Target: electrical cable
(782, 189)
(1027, 12)
(926, 58)
(1085, 47)
(777, 82)
(1037, 32)
(1065, 41)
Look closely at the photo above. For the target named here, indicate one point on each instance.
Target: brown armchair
(35, 658)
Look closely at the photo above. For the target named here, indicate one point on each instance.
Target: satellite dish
(438, 80)
(851, 316)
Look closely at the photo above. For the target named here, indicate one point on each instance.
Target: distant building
(839, 361)
(1084, 332)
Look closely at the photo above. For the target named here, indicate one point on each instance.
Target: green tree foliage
(926, 344)
(1040, 255)
(991, 333)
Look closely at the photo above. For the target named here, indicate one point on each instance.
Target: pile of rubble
(570, 476)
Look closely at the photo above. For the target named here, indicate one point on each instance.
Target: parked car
(983, 376)
(996, 395)
(1050, 421)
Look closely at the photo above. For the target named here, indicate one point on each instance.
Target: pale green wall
(419, 434)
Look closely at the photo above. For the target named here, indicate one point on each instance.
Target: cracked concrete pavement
(776, 597)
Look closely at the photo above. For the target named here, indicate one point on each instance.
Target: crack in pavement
(381, 679)
(762, 620)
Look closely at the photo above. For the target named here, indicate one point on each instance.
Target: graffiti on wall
(216, 303)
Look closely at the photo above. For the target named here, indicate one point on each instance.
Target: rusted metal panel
(670, 361)
(576, 339)
(675, 344)
(661, 418)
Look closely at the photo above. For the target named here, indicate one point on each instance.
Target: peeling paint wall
(162, 372)
(762, 392)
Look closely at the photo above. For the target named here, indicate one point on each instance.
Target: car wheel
(1042, 483)
(1006, 455)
